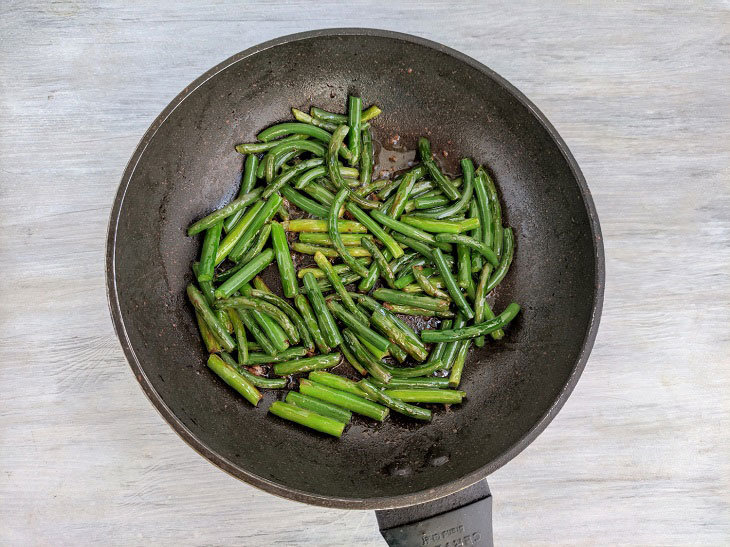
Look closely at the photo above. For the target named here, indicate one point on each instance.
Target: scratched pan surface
(185, 166)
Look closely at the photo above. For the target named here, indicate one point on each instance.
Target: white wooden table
(641, 452)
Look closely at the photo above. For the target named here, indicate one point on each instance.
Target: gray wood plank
(640, 454)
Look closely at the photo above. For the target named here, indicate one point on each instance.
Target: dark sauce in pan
(391, 157)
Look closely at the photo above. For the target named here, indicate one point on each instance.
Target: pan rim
(388, 502)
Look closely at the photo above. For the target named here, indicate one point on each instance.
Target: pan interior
(190, 167)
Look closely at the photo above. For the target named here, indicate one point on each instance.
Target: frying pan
(427, 481)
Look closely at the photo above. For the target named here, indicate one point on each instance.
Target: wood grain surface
(640, 455)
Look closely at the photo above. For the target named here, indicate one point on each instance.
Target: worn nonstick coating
(185, 166)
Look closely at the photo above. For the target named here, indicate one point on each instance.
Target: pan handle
(463, 519)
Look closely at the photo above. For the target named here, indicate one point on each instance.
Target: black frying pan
(185, 166)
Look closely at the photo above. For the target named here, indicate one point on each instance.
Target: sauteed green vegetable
(416, 247)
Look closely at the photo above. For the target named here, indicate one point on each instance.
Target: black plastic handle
(463, 519)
